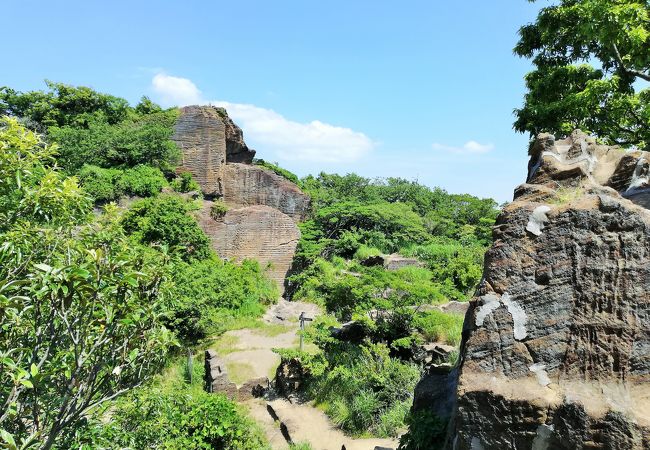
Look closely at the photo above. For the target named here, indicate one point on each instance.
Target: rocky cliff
(556, 345)
(264, 207)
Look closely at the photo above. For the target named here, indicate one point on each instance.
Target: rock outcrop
(556, 344)
(254, 232)
(254, 185)
(265, 207)
(201, 136)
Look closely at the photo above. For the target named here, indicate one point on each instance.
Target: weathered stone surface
(214, 151)
(236, 149)
(201, 136)
(248, 185)
(254, 232)
(290, 377)
(556, 348)
(396, 262)
(216, 376)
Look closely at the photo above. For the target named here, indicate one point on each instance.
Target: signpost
(303, 319)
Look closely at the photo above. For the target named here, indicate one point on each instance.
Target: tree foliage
(79, 306)
(591, 58)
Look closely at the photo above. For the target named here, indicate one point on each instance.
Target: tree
(591, 59)
(79, 315)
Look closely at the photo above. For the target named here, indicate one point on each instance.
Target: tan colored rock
(201, 136)
(254, 232)
(248, 185)
(556, 348)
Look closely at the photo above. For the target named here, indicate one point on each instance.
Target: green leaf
(43, 267)
(33, 370)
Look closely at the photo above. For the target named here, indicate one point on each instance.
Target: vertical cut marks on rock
(200, 135)
(256, 232)
(248, 185)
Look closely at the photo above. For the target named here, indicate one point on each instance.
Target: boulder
(290, 377)
(395, 262)
(216, 376)
(556, 343)
(349, 332)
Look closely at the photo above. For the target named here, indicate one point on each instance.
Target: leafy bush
(165, 220)
(185, 183)
(218, 210)
(172, 413)
(100, 183)
(204, 291)
(277, 170)
(142, 181)
(437, 326)
(97, 296)
(63, 105)
(95, 128)
(364, 390)
(426, 432)
(136, 140)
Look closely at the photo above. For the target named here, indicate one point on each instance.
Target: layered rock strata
(265, 207)
(556, 346)
(256, 232)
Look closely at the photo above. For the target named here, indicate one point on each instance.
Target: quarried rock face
(556, 348)
(254, 232)
(214, 151)
(236, 149)
(253, 185)
(201, 136)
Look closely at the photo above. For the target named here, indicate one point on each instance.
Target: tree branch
(624, 68)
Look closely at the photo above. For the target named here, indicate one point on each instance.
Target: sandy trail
(249, 355)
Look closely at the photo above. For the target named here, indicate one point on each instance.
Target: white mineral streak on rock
(537, 220)
(518, 314)
(476, 444)
(542, 440)
(490, 303)
(640, 176)
(540, 372)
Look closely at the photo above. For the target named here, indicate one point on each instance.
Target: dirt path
(248, 354)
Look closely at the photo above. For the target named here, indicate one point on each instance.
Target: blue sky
(418, 89)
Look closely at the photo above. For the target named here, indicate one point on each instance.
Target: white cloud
(175, 91)
(470, 147)
(313, 141)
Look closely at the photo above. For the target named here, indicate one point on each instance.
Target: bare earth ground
(248, 354)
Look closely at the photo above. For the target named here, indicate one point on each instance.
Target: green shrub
(141, 181)
(185, 183)
(166, 220)
(172, 414)
(218, 209)
(437, 326)
(100, 183)
(277, 169)
(426, 432)
(207, 292)
(361, 385)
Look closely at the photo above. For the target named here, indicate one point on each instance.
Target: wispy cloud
(470, 147)
(314, 141)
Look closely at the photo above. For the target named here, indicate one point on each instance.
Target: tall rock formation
(556, 345)
(264, 207)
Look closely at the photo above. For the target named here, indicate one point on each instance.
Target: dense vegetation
(591, 64)
(93, 306)
(128, 287)
(366, 386)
